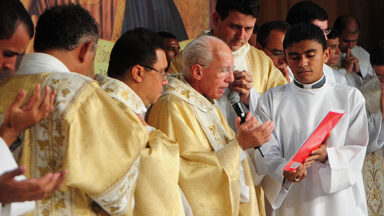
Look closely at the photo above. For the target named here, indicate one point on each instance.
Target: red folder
(315, 140)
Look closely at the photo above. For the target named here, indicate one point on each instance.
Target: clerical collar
(315, 85)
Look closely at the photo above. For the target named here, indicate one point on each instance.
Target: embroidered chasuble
(373, 169)
(210, 173)
(157, 190)
(87, 134)
(264, 76)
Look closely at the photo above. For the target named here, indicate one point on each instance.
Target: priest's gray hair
(201, 51)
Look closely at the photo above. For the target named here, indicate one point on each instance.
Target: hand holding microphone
(250, 133)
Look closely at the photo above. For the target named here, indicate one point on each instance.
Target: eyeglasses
(276, 53)
(223, 72)
(163, 74)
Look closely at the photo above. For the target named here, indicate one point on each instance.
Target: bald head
(202, 51)
(208, 64)
(349, 28)
(347, 23)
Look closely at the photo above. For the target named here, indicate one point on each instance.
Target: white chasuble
(331, 188)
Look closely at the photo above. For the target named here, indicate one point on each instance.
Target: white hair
(201, 51)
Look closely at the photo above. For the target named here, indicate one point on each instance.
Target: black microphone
(239, 108)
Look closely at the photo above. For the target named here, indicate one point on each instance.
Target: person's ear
(197, 71)
(215, 19)
(87, 51)
(137, 73)
(326, 54)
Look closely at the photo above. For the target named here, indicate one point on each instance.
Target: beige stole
(74, 137)
(157, 190)
(214, 131)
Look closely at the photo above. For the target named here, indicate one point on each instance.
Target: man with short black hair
(333, 46)
(270, 40)
(16, 30)
(329, 182)
(172, 46)
(76, 136)
(309, 12)
(136, 78)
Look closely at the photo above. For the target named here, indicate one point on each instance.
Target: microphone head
(233, 97)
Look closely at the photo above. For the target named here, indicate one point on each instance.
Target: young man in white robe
(329, 182)
(309, 12)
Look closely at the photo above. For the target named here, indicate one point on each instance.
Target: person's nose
(240, 34)
(230, 77)
(303, 62)
(9, 64)
(338, 52)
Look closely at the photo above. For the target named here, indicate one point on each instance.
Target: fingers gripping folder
(315, 140)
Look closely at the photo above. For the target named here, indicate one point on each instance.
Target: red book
(315, 140)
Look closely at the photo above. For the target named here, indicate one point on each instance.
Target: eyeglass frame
(279, 54)
(164, 74)
(223, 70)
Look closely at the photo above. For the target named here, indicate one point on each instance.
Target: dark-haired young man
(137, 75)
(16, 29)
(333, 46)
(330, 180)
(270, 40)
(172, 46)
(309, 12)
(86, 132)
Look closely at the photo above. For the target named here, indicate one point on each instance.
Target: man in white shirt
(329, 182)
